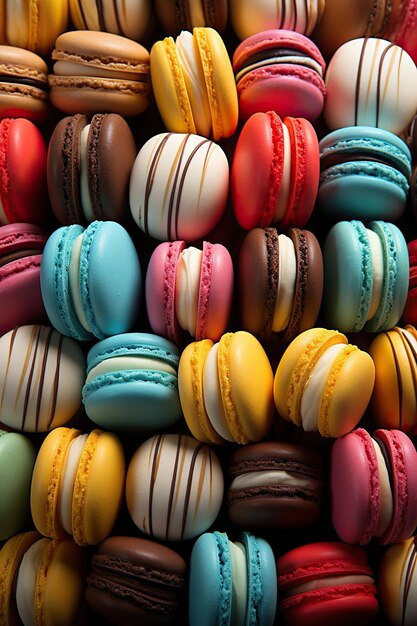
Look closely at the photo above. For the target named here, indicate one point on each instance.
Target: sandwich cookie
(23, 84)
(130, 19)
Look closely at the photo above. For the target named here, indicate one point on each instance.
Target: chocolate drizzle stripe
(172, 488)
(34, 342)
(295, 16)
(9, 358)
(82, 14)
(182, 15)
(154, 472)
(174, 192)
(100, 15)
(188, 490)
(307, 12)
(283, 7)
(411, 566)
(358, 79)
(202, 477)
(379, 79)
(42, 378)
(117, 16)
(55, 386)
(400, 381)
(412, 359)
(151, 179)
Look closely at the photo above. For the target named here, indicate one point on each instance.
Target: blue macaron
(366, 273)
(132, 383)
(232, 582)
(365, 174)
(91, 280)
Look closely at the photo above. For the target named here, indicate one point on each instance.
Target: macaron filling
(271, 478)
(212, 394)
(278, 57)
(285, 187)
(239, 583)
(310, 406)
(377, 256)
(187, 286)
(124, 363)
(386, 504)
(67, 482)
(26, 581)
(74, 272)
(331, 581)
(287, 273)
(84, 175)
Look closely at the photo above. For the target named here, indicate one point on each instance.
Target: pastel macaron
(174, 487)
(193, 83)
(17, 458)
(176, 17)
(99, 72)
(226, 389)
(325, 583)
(323, 383)
(42, 581)
(179, 186)
(282, 71)
(23, 192)
(128, 19)
(41, 377)
(132, 383)
(397, 583)
(243, 581)
(365, 174)
(24, 88)
(189, 291)
(275, 172)
(275, 485)
(373, 486)
(366, 80)
(21, 248)
(135, 580)
(280, 282)
(91, 280)
(88, 168)
(366, 273)
(77, 485)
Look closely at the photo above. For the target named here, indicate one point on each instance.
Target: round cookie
(130, 19)
(397, 583)
(23, 84)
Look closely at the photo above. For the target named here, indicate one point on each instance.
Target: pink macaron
(279, 70)
(373, 482)
(189, 290)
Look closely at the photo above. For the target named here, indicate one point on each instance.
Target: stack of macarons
(208, 344)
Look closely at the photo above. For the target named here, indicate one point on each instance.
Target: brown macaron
(23, 84)
(280, 282)
(88, 168)
(185, 15)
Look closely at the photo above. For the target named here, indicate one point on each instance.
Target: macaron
(397, 583)
(365, 174)
(132, 383)
(366, 80)
(23, 84)
(275, 485)
(366, 271)
(174, 487)
(410, 309)
(243, 581)
(275, 172)
(193, 83)
(96, 72)
(34, 25)
(280, 282)
(21, 248)
(77, 485)
(136, 581)
(226, 389)
(282, 71)
(91, 280)
(394, 397)
(42, 581)
(189, 291)
(41, 377)
(326, 583)
(129, 19)
(17, 458)
(88, 168)
(179, 186)
(249, 17)
(373, 486)
(323, 383)
(178, 16)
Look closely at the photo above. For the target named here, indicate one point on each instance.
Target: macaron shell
(397, 582)
(262, 581)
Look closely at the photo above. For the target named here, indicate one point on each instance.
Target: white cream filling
(284, 192)
(84, 190)
(66, 487)
(189, 57)
(239, 583)
(187, 286)
(287, 274)
(213, 396)
(377, 255)
(386, 507)
(26, 581)
(291, 59)
(331, 581)
(74, 282)
(120, 363)
(313, 390)
(69, 68)
(268, 478)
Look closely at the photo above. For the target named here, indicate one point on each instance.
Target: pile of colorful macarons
(208, 312)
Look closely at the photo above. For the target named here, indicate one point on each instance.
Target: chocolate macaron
(275, 485)
(88, 168)
(280, 282)
(136, 581)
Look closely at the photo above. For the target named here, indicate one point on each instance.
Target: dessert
(129, 19)
(397, 583)
(180, 15)
(23, 84)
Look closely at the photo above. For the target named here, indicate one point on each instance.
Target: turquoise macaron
(91, 280)
(17, 459)
(232, 582)
(132, 383)
(366, 274)
(365, 174)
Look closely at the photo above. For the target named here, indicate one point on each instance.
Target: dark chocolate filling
(30, 82)
(271, 53)
(387, 459)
